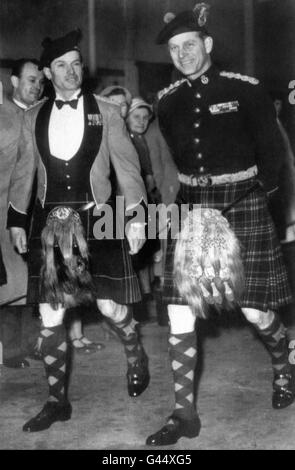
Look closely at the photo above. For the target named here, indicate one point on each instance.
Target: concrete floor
(234, 398)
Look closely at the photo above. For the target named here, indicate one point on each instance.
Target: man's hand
(19, 239)
(136, 236)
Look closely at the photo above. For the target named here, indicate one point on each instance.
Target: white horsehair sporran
(208, 266)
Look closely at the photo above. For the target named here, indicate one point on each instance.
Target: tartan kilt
(109, 260)
(265, 273)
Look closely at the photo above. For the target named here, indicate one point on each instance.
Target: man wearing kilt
(221, 129)
(76, 141)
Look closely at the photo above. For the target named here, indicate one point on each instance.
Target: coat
(10, 128)
(163, 166)
(115, 150)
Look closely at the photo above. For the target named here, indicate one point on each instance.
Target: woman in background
(138, 119)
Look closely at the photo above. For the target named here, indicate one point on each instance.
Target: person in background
(80, 343)
(138, 119)
(119, 95)
(27, 82)
(19, 326)
(221, 129)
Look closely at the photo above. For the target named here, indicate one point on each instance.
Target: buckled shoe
(283, 395)
(175, 429)
(138, 376)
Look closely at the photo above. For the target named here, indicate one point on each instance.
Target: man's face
(138, 120)
(190, 53)
(29, 86)
(66, 73)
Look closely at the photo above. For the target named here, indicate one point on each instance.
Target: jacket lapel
(41, 129)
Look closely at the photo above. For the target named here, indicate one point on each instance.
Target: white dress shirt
(66, 128)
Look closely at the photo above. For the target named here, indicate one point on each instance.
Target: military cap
(54, 48)
(186, 21)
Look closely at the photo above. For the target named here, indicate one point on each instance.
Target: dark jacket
(221, 123)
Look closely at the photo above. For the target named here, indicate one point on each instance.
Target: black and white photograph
(147, 228)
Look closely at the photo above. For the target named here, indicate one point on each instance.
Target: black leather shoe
(173, 431)
(138, 376)
(50, 413)
(16, 363)
(283, 395)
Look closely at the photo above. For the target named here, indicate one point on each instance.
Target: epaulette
(36, 104)
(171, 88)
(238, 76)
(106, 100)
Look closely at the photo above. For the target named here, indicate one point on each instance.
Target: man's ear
(47, 73)
(208, 41)
(14, 81)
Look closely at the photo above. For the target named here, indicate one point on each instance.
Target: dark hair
(19, 65)
(203, 34)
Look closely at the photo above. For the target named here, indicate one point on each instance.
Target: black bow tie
(72, 103)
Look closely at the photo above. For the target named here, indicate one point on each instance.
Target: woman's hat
(139, 103)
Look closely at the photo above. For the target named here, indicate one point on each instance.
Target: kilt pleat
(266, 282)
(109, 261)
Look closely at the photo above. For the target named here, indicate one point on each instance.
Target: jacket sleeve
(164, 168)
(125, 162)
(269, 149)
(22, 177)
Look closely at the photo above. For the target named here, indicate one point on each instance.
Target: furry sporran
(65, 276)
(208, 268)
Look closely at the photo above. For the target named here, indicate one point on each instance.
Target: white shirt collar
(20, 104)
(73, 97)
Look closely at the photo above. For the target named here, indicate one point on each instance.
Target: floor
(234, 397)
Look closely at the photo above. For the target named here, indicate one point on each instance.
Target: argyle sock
(274, 339)
(53, 346)
(290, 333)
(126, 331)
(183, 357)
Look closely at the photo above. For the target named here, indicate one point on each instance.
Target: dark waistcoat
(69, 181)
